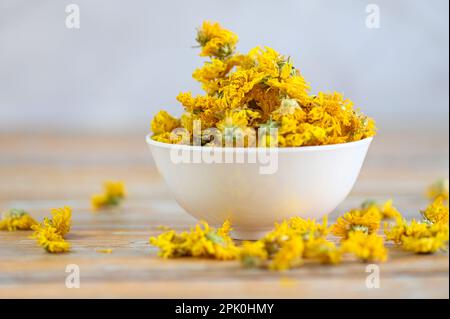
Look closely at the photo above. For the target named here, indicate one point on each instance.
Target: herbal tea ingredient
(365, 219)
(294, 241)
(16, 219)
(261, 89)
(367, 247)
(201, 241)
(287, 246)
(356, 220)
(50, 233)
(113, 194)
(436, 212)
(424, 236)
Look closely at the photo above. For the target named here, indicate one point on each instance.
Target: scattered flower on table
(48, 238)
(253, 254)
(289, 254)
(306, 239)
(61, 220)
(113, 194)
(200, 241)
(366, 247)
(297, 240)
(385, 210)
(367, 222)
(367, 218)
(436, 212)
(50, 233)
(425, 236)
(283, 248)
(16, 219)
(323, 250)
(419, 236)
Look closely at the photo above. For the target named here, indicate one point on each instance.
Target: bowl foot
(249, 234)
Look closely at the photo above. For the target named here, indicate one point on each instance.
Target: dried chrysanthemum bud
(113, 194)
(16, 219)
(366, 247)
(423, 237)
(356, 221)
(215, 40)
(201, 241)
(262, 82)
(50, 233)
(436, 212)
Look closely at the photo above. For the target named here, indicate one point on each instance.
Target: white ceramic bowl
(304, 181)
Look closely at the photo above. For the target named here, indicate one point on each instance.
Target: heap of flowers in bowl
(253, 103)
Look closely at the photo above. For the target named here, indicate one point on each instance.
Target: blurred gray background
(131, 58)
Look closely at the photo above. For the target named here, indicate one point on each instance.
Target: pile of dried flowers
(296, 240)
(261, 89)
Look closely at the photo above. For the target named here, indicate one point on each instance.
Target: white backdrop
(131, 58)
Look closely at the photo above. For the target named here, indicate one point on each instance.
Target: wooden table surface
(38, 172)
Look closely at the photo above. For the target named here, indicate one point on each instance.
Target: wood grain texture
(38, 172)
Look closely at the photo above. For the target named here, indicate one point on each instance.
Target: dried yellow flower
(356, 220)
(253, 254)
(50, 233)
(309, 228)
(62, 220)
(99, 200)
(170, 138)
(215, 70)
(215, 40)
(288, 244)
(425, 245)
(429, 235)
(293, 241)
(115, 189)
(49, 238)
(16, 219)
(201, 241)
(367, 247)
(436, 212)
(419, 237)
(395, 233)
(289, 255)
(322, 250)
(113, 194)
(262, 82)
(163, 122)
(385, 210)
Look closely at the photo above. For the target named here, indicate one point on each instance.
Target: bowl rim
(317, 148)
